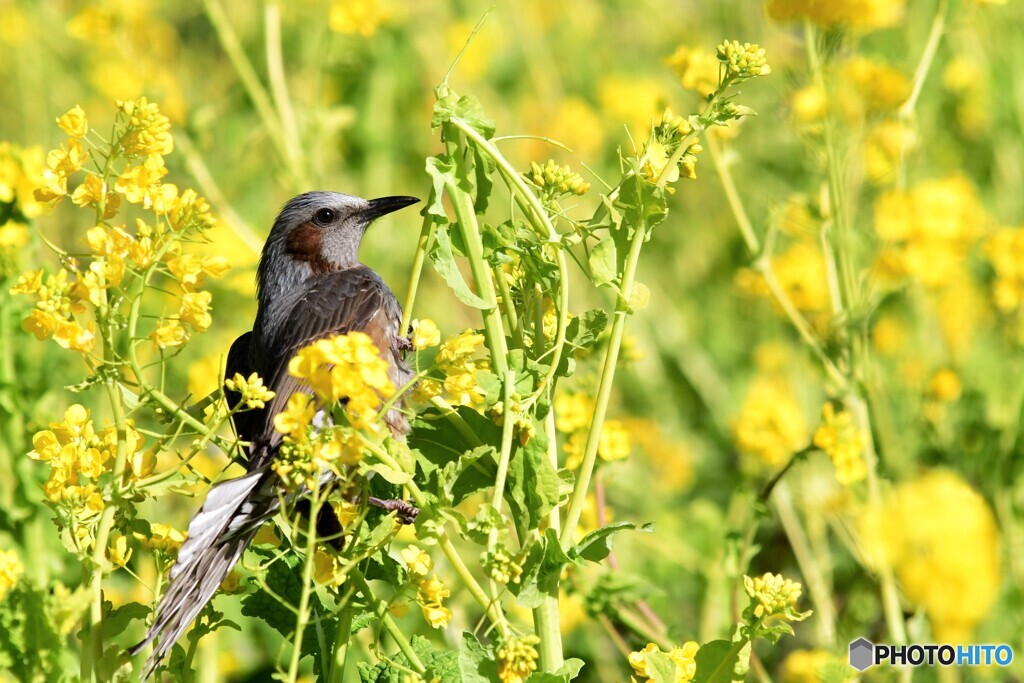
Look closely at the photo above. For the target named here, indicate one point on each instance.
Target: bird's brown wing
(355, 299)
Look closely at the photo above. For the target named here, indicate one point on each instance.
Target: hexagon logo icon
(862, 654)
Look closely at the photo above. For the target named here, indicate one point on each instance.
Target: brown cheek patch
(304, 245)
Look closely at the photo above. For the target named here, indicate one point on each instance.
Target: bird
(310, 285)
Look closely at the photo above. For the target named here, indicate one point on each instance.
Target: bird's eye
(324, 216)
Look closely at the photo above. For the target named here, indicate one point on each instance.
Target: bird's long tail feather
(217, 535)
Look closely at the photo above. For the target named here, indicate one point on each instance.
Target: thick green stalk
(380, 608)
(546, 617)
(493, 327)
(339, 657)
(422, 247)
(307, 584)
(604, 390)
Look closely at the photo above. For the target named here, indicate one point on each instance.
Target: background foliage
(717, 388)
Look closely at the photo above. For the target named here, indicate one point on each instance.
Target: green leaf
(441, 171)
(533, 483)
(467, 108)
(596, 545)
(542, 570)
(584, 330)
(483, 167)
(476, 661)
(603, 268)
(660, 668)
(717, 662)
(569, 670)
(116, 621)
(390, 474)
(443, 259)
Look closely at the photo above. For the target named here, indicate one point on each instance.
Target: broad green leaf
(603, 263)
(660, 668)
(583, 330)
(466, 108)
(533, 483)
(542, 570)
(716, 662)
(443, 259)
(596, 545)
(441, 171)
(476, 661)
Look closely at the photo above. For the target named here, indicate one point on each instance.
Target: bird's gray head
(316, 232)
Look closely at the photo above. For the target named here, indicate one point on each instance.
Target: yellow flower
(11, 570)
(347, 368)
(71, 335)
(195, 310)
(267, 535)
(814, 666)
(517, 658)
(941, 540)
(857, 14)
(944, 386)
(190, 270)
(809, 104)
(162, 537)
(844, 442)
(362, 17)
(92, 191)
(28, 283)
(254, 393)
(697, 69)
(432, 590)
(325, 569)
(119, 553)
(149, 131)
(136, 182)
(770, 424)
(615, 442)
(884, 148)
(774, 594)
(53, 186)
(416, 561)
(296, 416)
(437, 616)
(425, 334)
(67, 160)
(169, 333)
(743, 60)
(573, 412)
(426, 389)
(74, 122)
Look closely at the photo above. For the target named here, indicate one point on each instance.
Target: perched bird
(310, 285)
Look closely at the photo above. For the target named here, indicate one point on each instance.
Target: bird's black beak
(385, 205)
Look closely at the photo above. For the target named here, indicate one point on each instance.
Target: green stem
(279, 85)
(821, 593)
(641, 629)
(422, 247)
(307, 583)
(339, 657)
(546, 617)
(611, 358)
(493, 328)
(380, 608)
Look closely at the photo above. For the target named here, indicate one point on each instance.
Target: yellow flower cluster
(358, 17)
(349, 368)
(57, 302)
(425, 334)
(573, 412)
(697, 69)
(517, 658)
(303, 456)
(844, 442)
(11, 570)
(802, 274)
(141, 132)
(743, 60)
(684, 658)
(162, 537)
(1004, 249)
(864, 15)
(814, 666)
(430, 591)
(457, 360)
(770, 424)
(927, 231)
(254, 394)
(556, 181)
(773, 595)
(77, 453)
(20, 170)
(668, 134)
(501, 566)
(940, 537)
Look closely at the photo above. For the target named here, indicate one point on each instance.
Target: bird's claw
(407, 512)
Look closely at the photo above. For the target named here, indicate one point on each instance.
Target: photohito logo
(864, 654)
